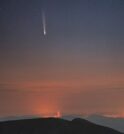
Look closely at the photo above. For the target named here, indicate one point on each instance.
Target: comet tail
(44, 23)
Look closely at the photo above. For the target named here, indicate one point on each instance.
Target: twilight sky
(76, 68)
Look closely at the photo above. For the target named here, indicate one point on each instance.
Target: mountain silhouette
(115, 123)
(53, 126)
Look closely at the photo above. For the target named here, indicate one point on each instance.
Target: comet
(44, 22)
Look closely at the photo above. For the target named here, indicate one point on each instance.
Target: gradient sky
(77, 68)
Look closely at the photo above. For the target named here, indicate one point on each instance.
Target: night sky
(76, 68)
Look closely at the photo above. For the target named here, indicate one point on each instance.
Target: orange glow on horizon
(48, 109)
(57, 115)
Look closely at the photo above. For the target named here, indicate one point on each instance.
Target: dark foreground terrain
(53, 126)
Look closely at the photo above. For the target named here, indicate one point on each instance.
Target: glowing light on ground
(58, 115)
(115, 115)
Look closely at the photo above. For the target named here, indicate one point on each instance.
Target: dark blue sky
(87, 25)
(83, 48)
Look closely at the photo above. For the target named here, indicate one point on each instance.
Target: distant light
(58, 115)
